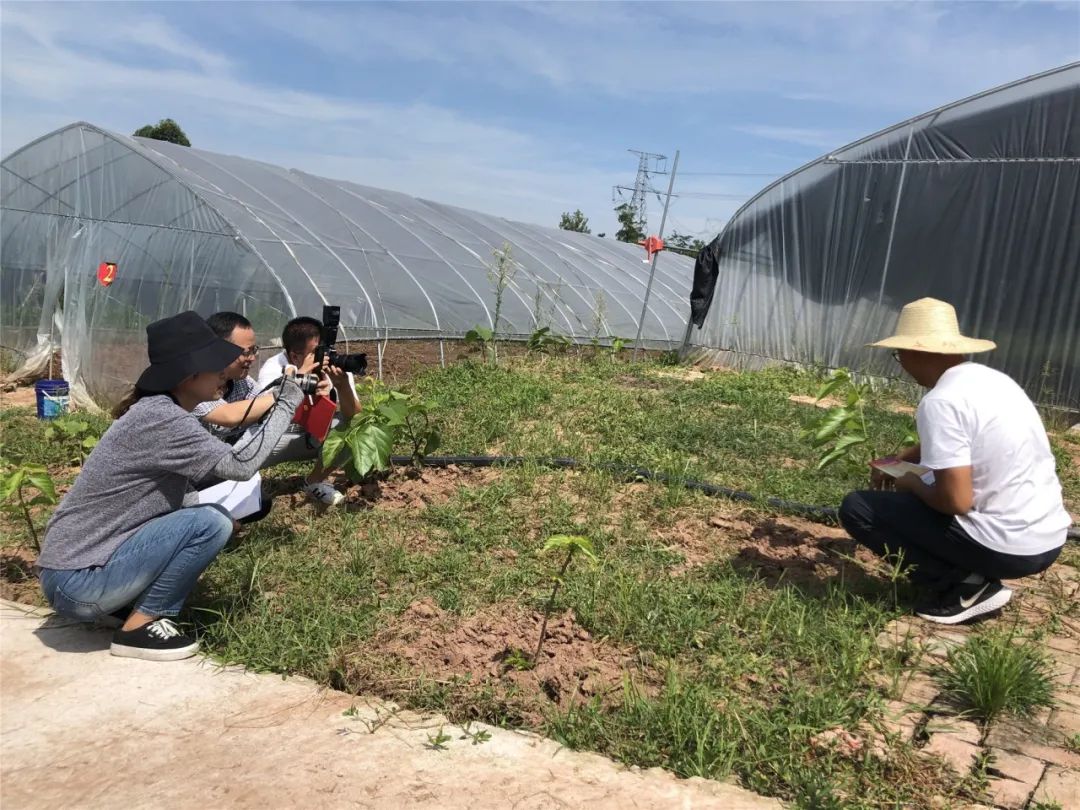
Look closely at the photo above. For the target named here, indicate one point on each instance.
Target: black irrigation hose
(827, 514)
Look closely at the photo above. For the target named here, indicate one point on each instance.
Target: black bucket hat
(181, 346)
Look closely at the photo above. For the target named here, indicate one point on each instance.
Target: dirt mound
(773, 546)
(18, 396)
(800, 550)
(490, 651)
(408, 488)
(403, 488)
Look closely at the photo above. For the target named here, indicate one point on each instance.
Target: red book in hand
(315, 415)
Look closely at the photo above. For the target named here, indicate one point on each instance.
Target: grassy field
(710, 637)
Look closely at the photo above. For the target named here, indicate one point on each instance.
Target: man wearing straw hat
(992, 508)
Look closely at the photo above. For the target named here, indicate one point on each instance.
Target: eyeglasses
(251, 352)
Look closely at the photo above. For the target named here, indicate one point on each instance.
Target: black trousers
(937, 552)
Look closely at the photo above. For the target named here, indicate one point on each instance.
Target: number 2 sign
(106, 273)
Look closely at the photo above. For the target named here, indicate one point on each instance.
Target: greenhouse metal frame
(191, 229)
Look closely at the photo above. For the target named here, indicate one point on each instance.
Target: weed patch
(998, 672)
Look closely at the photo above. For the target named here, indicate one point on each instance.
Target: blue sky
(521, 110)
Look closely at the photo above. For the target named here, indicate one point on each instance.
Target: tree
(683, 243)
(164, 130)
(631, 227)
(576, 221)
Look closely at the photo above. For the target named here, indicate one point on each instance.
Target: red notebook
(315, 415)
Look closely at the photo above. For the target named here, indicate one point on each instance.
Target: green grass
(998, 672)
(737, 430)
(22, 436)
(745, 669)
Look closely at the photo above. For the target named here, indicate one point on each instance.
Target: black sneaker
(159, 640)
(964, 602)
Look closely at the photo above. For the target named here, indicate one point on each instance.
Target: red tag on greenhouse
(106, 273)
(654, 244)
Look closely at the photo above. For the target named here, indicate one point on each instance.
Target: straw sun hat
(929, 325)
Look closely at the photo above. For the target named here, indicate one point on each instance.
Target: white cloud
(909, 56)
(121, 66)
(418, 148)
(46, 25)
(825, 139)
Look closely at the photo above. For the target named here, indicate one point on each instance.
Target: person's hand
(324, 387)
(909, 482)
(310, 365)
(879, 480)
(338, 377)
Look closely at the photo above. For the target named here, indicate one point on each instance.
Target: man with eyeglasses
(235, 409)
(240, 407)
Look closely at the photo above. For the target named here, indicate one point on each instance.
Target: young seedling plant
(478, 736)
(544, 341)
(386, 416)
(570, 543)
(841, 433)
(17, 483)
(74, 434)
(438, 741)
(501, 274)
(482, 339)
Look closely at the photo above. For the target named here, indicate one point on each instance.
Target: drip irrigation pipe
(826, 514)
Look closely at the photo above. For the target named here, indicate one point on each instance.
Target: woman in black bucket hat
(127, 533)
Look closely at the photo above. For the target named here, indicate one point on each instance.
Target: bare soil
(17, 580)
(477, 652)
(18, 396)
(408, 488)
(772, 547)
(833, 402)
(401, 488)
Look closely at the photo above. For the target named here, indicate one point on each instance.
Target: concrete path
(82, 729)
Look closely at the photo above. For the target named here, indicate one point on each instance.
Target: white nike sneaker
(323, 493)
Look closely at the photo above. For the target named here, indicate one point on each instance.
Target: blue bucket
(52, 398)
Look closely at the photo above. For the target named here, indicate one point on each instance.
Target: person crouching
(126, 537)
(994, 510)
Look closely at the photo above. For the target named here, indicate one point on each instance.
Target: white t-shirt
(981, 418)
(273, 368)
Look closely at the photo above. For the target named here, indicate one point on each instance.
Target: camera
(307, 382)
(355, 363)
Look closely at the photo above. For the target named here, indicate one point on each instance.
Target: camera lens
(352, 363)
(308, 383)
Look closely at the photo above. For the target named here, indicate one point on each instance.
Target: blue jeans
(154, 570)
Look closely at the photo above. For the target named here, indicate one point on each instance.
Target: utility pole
(655, 256)
(641, 187)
